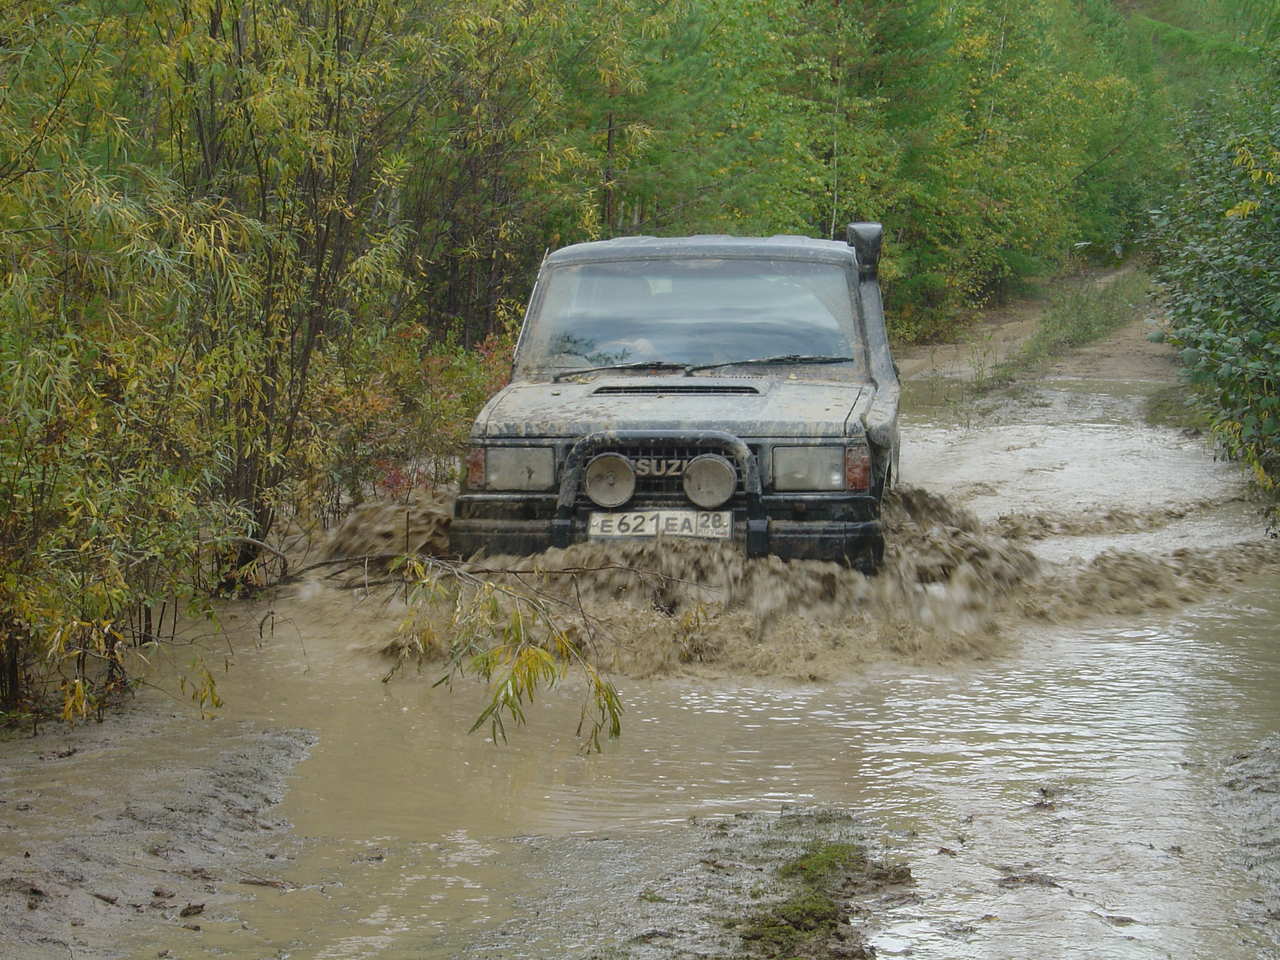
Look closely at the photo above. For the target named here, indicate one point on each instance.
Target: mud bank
(171, 842)
(1252, 796)
(799, 883)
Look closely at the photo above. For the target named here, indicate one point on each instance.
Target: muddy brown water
(1064, 736)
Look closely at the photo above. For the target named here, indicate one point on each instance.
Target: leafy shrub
(1219, 246)
(396, 419)
(108, 499)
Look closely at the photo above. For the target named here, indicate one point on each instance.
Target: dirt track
(1024, 714)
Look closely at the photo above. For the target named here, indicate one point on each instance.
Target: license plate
(708, 524)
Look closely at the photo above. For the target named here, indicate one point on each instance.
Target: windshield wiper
(636, 365)
(786, 358)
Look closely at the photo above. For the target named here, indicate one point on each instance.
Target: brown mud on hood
(745, 407)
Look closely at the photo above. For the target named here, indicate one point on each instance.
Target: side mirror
(866, 238)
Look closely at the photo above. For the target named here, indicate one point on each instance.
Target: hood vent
(705, 389)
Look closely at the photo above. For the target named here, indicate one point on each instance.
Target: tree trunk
(607, 199)
(10, 674)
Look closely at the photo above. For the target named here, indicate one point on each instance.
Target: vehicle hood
(742, 406)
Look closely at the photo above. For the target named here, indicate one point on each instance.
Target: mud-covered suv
(726, 388)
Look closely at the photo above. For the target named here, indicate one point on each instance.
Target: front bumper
(856, 543)
(843, 527)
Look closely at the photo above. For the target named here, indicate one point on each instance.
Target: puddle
(1023, 468)
(1067, 795)
(1073, 770)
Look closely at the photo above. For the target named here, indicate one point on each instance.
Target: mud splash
(1126, 583)
(379, 528)
(952, 587)
(668, 606)
(1115, 520)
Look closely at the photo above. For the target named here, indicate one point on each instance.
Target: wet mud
(1251, 795)
(1047, 728)
(172, 841)
(799, 882)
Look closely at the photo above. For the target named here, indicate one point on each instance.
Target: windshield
(707, 311)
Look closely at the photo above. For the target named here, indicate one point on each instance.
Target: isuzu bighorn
(727, 388)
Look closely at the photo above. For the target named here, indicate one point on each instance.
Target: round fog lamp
(709, 480)
(610, 480)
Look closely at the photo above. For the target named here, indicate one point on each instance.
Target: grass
(804, 922)
(1076, 315)
(789, 927)
(822, 862)
(19, 723)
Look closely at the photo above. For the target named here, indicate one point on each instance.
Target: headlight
(519, 468)
(808, 468)
(709, 480)
(610, 480)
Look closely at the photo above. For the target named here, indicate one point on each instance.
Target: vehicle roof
(781, 247)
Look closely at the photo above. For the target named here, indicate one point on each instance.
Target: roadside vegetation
(1218, 243)
(812, 919)
(260, 261)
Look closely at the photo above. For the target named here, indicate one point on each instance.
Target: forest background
(258, 259)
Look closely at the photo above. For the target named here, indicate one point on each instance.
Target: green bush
(1218, 243)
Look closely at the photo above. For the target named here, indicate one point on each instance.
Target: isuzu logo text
(659, 467)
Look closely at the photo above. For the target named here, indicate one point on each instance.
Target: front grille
(662, 487)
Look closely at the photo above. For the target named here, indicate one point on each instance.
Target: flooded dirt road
(1084, 767)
